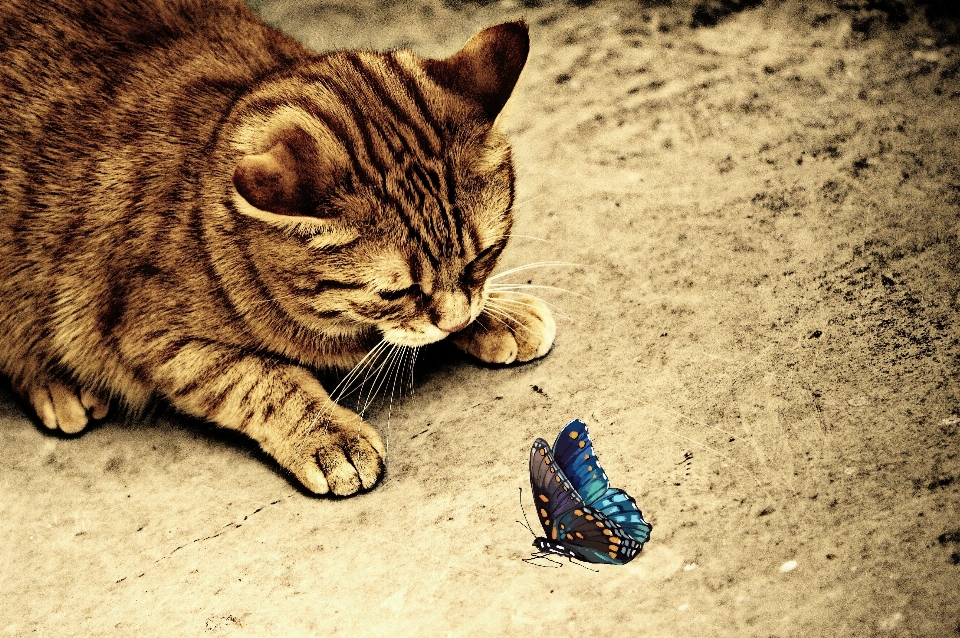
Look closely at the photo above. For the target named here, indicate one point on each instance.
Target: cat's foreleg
(508, 330)
(284, 408)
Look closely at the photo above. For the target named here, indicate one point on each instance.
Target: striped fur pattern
(195, 208)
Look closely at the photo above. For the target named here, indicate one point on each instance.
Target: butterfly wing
(595, 538)
(553, 494)
(573, 450)
(622, 509)
(579, 511)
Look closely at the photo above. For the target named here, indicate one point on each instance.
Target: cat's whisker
(515, 289)
(413, 361)
(383, 373)
(527, 202)
(533, 237)
(375, 378)
(345, 387)
(336, 393)
(539, 264)
(518, 302)
(500, 312)
(404, 372)
(489, 313)
(397, 374)
(553, 306)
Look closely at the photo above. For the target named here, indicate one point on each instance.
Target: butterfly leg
(546, 557)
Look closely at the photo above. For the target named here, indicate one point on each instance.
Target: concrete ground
(762, 220)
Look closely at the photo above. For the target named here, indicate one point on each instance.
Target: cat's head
(380, 185)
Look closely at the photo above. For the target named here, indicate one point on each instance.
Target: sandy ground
(762, 221)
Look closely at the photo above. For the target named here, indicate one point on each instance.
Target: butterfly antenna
(589, 569)
(526, 523)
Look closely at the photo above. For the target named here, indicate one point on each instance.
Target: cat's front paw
(511, 328)
(62, 407)
(339, 454)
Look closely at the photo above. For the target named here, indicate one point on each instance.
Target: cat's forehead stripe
(376, 71)
(375, 107)
(381, 160)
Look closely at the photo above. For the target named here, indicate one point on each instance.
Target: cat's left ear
(487, 67)
(287, 184)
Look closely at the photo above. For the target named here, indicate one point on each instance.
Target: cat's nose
(453, 324)
(451, 311)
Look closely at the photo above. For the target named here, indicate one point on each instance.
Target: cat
(195, 208)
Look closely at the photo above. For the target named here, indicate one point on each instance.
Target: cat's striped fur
(195, 207)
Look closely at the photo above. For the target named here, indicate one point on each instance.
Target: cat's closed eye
(396, 295)
(479, 269)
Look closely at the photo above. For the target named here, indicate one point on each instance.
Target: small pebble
(690, 567)
(928, 56)
(684, 607)
(788, 566)
(890, 623)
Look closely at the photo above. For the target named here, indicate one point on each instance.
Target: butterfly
(582, 516)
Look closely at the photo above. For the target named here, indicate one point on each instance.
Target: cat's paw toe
(509, 330)
(342, 460)
(61, 407)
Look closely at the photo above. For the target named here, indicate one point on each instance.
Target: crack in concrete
(224, 530)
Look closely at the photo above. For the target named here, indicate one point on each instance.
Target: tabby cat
(196, 208)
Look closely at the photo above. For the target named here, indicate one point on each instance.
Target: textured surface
(764, 343)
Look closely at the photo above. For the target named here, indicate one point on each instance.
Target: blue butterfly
(582, 516)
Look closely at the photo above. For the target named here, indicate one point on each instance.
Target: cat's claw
(60, 407)
(509, 331)
(342, 460)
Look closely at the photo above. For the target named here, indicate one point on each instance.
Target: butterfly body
(582, 516)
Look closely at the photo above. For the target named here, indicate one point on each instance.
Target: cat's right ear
(487, 67)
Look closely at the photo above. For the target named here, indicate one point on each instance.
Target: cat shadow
(434, 362)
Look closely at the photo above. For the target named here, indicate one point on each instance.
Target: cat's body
(195, 207)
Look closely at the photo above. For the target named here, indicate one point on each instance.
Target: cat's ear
(487, 67)
(290, 178)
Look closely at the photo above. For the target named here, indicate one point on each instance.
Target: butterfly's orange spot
(586, 457)
(546, 460)
(552, 469)
(558, 479)
(590, 469)
(579, 535)
(614, 540)
(578, 512)
(543, 498)
(562, 527)
(582, 444)
(606, 531)
(546, 522)
(569, 537)
(574, 434)
(613, 548)
(543, 512)
(600, 524)
(613, 555)
(553, 534)
(589, 517)
(543, 452)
